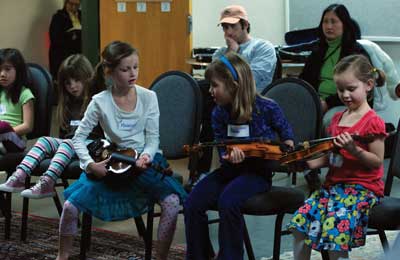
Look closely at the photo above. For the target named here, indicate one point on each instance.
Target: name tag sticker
(336, 160)
(3, 109)
(126, 125)
(74, 122)
(238, 130)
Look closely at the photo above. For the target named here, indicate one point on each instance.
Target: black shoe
(313, 180)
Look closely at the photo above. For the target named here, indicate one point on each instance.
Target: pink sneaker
(13, 184)
(42, 189)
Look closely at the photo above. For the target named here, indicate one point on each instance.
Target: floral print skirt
(335, 218)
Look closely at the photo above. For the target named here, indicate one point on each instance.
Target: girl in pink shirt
(335, 218)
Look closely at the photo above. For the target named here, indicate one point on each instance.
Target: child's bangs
(72, 73)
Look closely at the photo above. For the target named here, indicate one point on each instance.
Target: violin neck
(364, 139)
(123, 158)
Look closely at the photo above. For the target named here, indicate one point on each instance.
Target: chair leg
(141, 228)
(6, 210)
(57, 202)
(7, 221)
(148, 238)
(25, 210)
(247, 243)
(294, 178)
(86, 232)
(384, 241)
(65, 183)
(277, 236)
(324, 255)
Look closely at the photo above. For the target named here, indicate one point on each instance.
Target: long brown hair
(79, 68)
(242, 90)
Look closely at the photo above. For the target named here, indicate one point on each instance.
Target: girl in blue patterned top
(240, 113)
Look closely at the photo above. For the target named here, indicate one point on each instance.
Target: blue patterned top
(267, 121)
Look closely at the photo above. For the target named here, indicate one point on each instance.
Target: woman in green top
(337, 39)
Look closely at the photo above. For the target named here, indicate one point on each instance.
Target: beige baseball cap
(232, 14)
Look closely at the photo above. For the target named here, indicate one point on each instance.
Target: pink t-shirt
(351, 170)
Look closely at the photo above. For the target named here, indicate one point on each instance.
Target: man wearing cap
(260, 54)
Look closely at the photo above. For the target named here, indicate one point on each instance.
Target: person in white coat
(385, 103)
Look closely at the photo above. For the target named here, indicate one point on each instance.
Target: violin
(253, 147)
(313, 149)
(122, 163)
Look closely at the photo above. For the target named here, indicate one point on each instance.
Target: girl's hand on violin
(143, 161)
(98, 169)
(345, 141)
(236, 155)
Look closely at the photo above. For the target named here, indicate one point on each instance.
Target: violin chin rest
(119, 171)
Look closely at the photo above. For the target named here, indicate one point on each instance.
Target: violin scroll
(192, 148)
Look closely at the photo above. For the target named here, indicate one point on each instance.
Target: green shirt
(13, 113)
(326, 86)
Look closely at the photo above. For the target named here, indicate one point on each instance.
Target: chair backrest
(180, 103)
(39, 81)
(301, 105)
(394, 164)
(278, 68)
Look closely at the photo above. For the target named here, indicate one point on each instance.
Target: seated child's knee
(297, 234)
(171, 203)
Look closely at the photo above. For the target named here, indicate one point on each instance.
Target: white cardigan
(384, 96)
(138, 129)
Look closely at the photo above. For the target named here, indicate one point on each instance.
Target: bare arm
(318, 163)
(28, 117)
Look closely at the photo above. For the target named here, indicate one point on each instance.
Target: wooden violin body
(256, 147)
(121, 160)
(259, 150)
(307, 152)
(315, 148)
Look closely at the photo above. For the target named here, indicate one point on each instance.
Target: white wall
(267, 19)
(24, 25)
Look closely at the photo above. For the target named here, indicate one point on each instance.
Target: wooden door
(163, 39)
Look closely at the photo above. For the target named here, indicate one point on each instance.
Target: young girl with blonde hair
(335, 218)
(240, 114)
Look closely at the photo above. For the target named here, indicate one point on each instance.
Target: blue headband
(228, 64)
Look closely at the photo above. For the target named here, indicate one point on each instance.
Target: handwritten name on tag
(3, 109)
(126, 125)
(74, 122)
(238, 130)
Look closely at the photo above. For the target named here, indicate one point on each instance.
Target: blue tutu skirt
(96, 198)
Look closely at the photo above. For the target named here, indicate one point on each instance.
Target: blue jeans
(228, 190)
